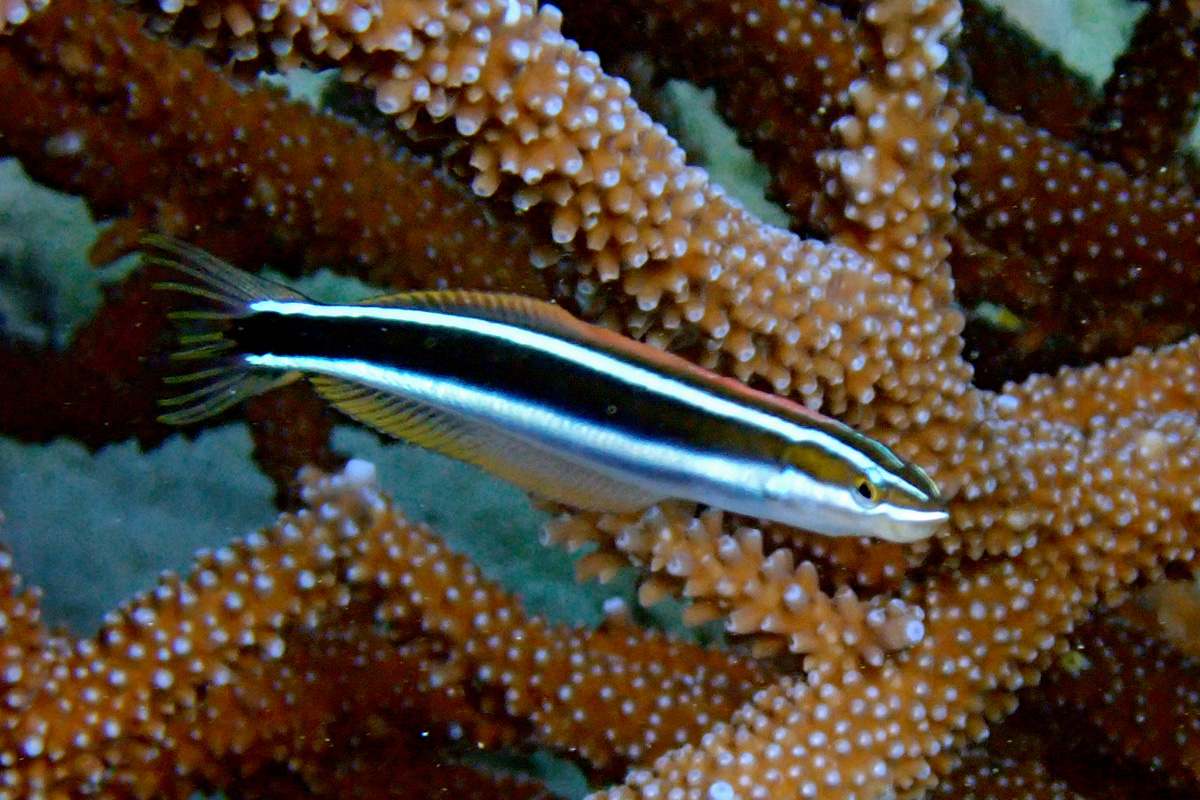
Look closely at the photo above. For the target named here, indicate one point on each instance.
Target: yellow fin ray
(212, 278)
(218, 395)
(228, 292)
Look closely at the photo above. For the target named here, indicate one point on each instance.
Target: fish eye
(866, 492)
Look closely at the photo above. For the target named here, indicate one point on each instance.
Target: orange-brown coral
(1029, 228)
(1065, 490)
(1115, 677)
(264, 178)
(209, 680)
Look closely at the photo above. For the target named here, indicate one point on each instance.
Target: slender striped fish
(563, 409)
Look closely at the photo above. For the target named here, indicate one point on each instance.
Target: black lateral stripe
(500, 365)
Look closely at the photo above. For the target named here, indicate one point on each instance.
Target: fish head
(860, 489)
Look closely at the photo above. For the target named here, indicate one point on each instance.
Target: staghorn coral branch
(765, 595)
(1054, 509)
(1122, 691)
(207, 680)
(1047, 93)
(850, 729)
(782, 71)
(987, 778)
(1156, 84)
(242, 167)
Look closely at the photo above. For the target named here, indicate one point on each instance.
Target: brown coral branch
(208, 681)
(1064, 215)
(1065, 490)
(257, 177)
(1129, 694)
(1151, 100)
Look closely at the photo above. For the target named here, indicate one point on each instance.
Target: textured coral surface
(344, 650)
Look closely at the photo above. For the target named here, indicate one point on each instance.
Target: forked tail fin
(225, 295)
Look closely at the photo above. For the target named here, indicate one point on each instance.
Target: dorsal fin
(512, 309)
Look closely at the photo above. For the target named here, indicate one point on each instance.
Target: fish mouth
(913, 524)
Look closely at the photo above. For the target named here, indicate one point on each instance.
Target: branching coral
(1065, 490)
(218, 669)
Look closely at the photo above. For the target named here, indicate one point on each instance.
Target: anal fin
(532, 467)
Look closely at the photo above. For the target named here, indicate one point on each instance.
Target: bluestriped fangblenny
(561, 408)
